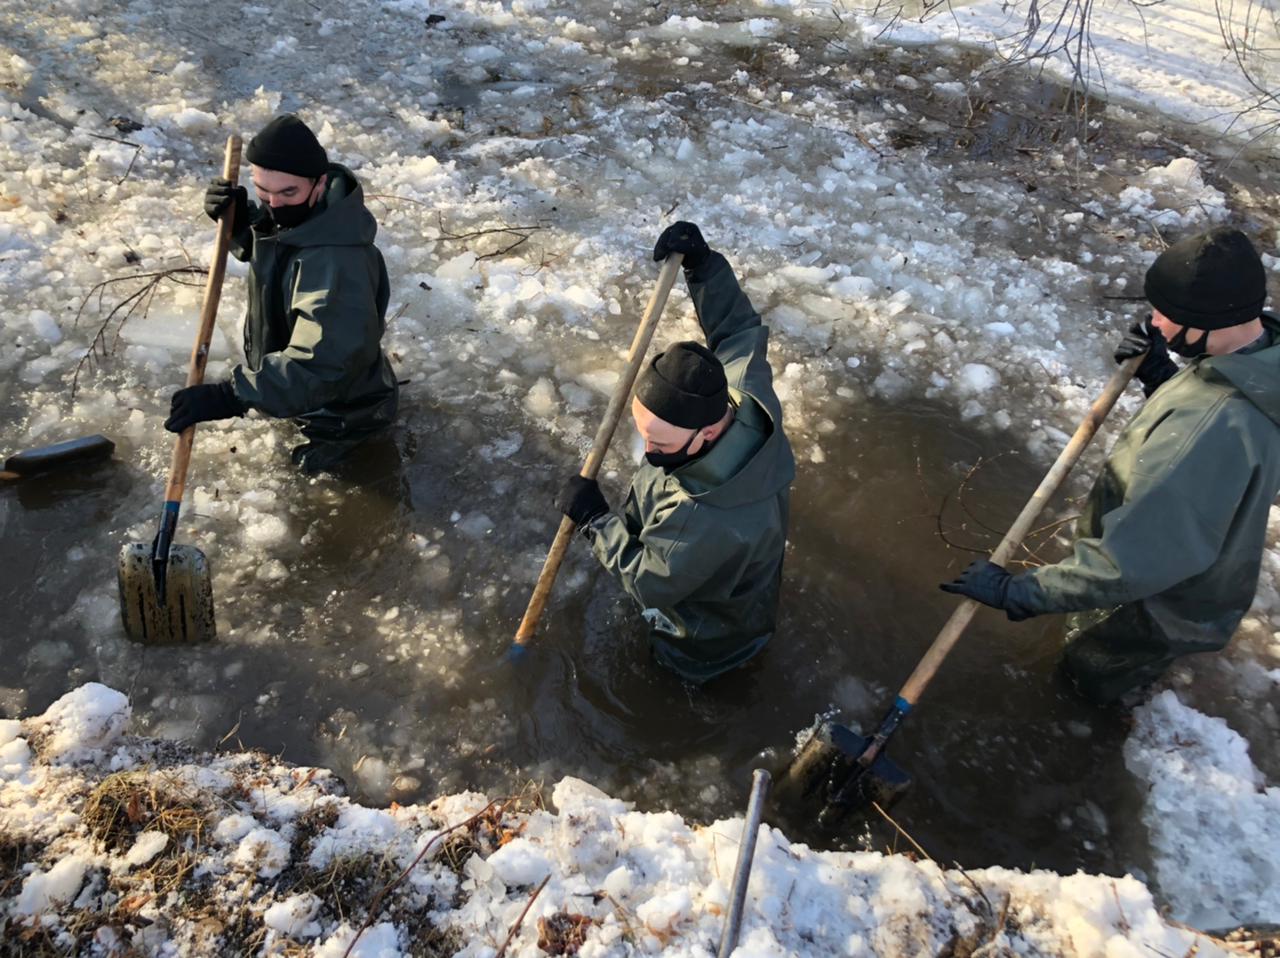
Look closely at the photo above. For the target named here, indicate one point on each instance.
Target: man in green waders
(699, 545)
(1169, 547)
(318, 293)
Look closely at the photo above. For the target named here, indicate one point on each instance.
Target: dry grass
(77, 933)
(563, 933)
(346, 882)
(126, 804)
(353, 888)
(458, 849)
(309, 826)
(14, 853)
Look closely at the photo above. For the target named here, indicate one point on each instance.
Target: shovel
(604, 435)
(849, 772)
(166, 596)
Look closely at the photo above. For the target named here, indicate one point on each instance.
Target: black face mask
(287, 217)
(1187, 350)
(674, 460)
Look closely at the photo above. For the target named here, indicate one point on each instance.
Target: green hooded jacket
(317, 310)
(1170, 544)
(700, 548)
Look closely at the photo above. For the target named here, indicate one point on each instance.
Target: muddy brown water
(1009, 769)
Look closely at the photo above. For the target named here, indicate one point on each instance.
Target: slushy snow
(1214, 821)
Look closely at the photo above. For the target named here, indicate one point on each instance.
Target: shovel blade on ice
(173, 608)
(860, 783)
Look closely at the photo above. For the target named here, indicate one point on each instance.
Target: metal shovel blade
(829, 777)
(183, 614)
(858, 785)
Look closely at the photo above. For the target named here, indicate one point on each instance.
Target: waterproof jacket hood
(1255, 374)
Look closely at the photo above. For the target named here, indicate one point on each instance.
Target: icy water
(363, 624)
(1009, 770)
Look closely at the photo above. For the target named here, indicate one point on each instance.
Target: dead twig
(519, 921)
(139, 300)
(445, 233)
(391, 886)
(902, 831)
(505, 249)
(976, 887)
(1032, 556)
(116, 139)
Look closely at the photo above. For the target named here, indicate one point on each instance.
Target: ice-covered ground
(884, 273)
(1204, 62)
(167, 850)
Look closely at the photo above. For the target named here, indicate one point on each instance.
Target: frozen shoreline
(134, 843)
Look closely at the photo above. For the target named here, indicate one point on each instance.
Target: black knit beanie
(685, 386)
(1210, 281)
(287, 144)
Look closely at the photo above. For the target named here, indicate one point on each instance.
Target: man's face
(1168, 328)
(277, 189)
(661, 436)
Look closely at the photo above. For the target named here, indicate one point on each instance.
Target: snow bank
(629, 882)
(83, 721)
(1214, 822)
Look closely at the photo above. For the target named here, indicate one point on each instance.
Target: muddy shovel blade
(833, 779)
(859, 784)
(178, 612)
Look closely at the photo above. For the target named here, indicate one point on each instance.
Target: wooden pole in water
(826, 758)
(604, 436)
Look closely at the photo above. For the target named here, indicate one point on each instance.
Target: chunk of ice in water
(977, 378)
(541, 399)
(45, 326)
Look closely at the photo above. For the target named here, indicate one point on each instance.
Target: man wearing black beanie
(699, 545)
(1169, 547)
(318, 293)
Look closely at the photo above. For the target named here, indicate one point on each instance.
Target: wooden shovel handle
(208, 313)
(604, 435)
(955, 626)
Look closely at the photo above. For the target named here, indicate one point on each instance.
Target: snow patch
(1214, 822)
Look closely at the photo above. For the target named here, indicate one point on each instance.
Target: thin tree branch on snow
(138, 300)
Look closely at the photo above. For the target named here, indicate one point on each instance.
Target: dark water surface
(1009, 769)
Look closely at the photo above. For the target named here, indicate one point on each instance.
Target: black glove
(991, 585)
(202, 403)
(222, 194)
(684, 238)
(1141, 338)
(581, 500)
